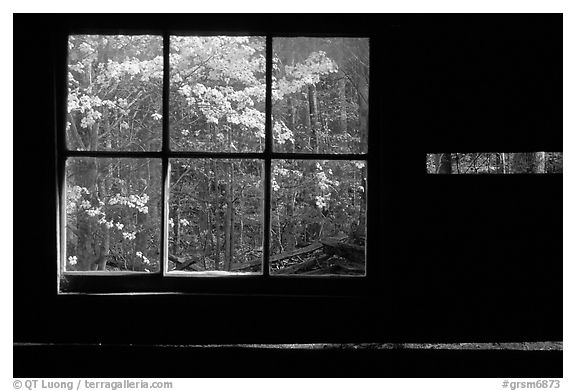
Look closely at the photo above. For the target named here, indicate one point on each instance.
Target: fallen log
(302, 266)
(279, 257)
(293, 253)
(351, 252)
(185, 263)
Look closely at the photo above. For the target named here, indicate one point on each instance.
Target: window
(243, 157)
(494, 163)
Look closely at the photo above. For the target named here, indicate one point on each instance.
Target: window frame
(161, 281)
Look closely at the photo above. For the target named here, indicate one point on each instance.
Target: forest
(495, 163)
(215, 205)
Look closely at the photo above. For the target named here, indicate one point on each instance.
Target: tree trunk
(217, 249)
(229, 218)
(217, 225)
(293, 120)
(293, 109)
(279, 233)
(314, 120)
(289, 231)
(532, 163)
(342, 98)
(104, 245)
(87, 174)
(444, 164)
(501, 163)
(148, 220)
(241, 213)
(362, 88)
(75, 134)
(176, 229)
(205, 223)
(96, 239)
(539, 162)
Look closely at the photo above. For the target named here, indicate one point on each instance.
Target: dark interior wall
(452, 258)
(488, 246)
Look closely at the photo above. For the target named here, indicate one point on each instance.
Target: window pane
(494, 163)
(114, 93)
(215, 212)
(113, 214)
(320, 95)
(318, 219)
(217, 93)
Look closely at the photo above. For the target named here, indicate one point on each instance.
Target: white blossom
(132, 201)
(94, 212)
(129, 235)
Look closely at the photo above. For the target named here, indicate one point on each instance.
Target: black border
(443, 83)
